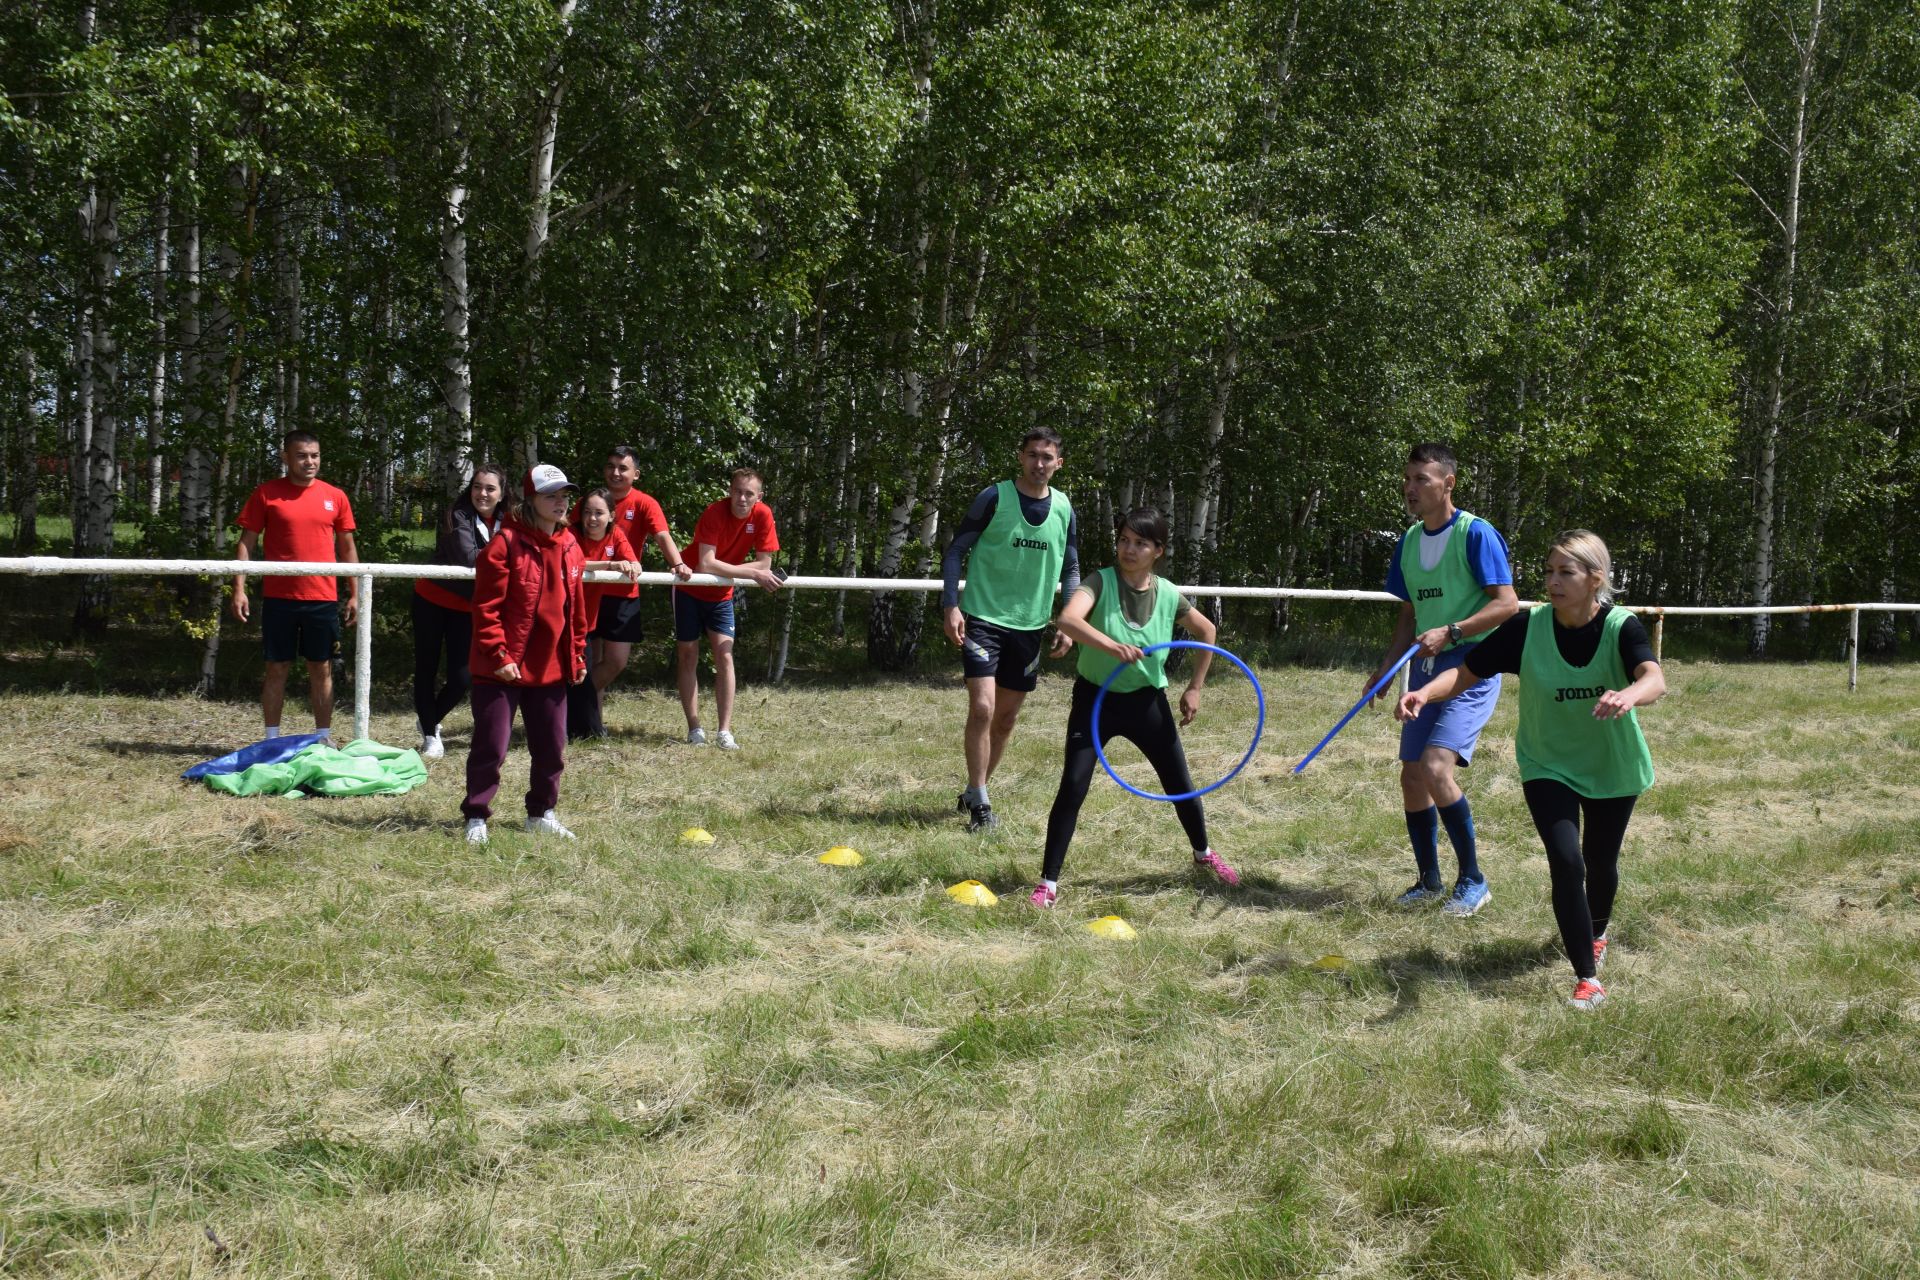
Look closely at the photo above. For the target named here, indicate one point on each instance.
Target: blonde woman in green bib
(1115, 614)
(1584, 666)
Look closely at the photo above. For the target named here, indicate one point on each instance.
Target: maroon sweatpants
(543, 713)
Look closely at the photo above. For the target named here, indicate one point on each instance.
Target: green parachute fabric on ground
(361, 768)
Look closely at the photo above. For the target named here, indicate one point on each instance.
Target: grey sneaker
(547, 825)
(726, 741)
(476, 830)
(696, 737)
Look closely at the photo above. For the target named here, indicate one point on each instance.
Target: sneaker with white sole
(547, 825)
(1042, 896)
(696, 737)
(726, 741)
(1418, 894)
(1599, 952)
(431, 748)
(1468, 897)
(1217, 867)
(1587, 993)
(476, 830)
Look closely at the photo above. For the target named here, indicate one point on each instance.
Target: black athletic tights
(1143, 718)
(1586, 874)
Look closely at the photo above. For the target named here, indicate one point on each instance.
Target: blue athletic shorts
(307, 629)
(694, 617)
(1454, 724)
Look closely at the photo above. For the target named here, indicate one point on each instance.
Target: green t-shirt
(1448, 592)
(1013, 572)
(1109, 617)
(1558, 738)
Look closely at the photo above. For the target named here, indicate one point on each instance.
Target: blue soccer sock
(1423, 828)
(1459, 819)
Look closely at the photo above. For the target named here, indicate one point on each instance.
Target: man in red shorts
(303, 518)
(735, 538)
(637, 515)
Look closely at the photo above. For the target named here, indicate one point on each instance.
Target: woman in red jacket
(529, 644)
(443, 608)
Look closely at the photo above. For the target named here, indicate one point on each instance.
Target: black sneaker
(983, 819)
(963, 805)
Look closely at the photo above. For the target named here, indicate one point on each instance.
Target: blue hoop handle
(1101, 750)
(1365, 698)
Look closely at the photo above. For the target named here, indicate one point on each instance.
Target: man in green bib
(1452, 571)
(1020, 541)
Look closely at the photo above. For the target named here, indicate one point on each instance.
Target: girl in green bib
(1584, 665)
(1115, 614)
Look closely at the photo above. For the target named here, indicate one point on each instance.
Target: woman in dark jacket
(443, 608)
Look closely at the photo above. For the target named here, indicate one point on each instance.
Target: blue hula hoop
(1259, 725)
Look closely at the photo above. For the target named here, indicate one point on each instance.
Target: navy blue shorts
(693, 617)
(1010, 657)
(619, 620)
(1454, 724)
(307, 629)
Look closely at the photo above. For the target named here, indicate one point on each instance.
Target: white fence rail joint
(366, 573)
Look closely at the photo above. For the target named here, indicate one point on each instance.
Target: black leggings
(1143, 718)
(1586, 874)
(436, 628)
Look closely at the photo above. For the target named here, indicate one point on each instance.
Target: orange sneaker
(1587, 993)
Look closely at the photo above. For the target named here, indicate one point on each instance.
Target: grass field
(280, 1038)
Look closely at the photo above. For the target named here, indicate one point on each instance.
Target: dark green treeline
(1653, 268)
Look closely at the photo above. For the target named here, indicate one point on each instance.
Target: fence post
(1659, 635)
(363, 661)
(1853, 650)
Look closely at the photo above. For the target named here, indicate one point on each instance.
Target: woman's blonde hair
(1584, 548)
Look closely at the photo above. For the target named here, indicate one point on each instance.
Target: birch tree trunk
(1773, 396)
(196, 468)
(454, 449)
(540, 206)
(93, 532)
(157, 375)
(26, 532)
(230, 340)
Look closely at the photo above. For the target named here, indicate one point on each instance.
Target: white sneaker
(726, 741)
(696, 737)
(548, 825)
(476, 830)
(431, 748)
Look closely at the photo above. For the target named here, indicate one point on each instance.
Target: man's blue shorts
(1454, 724)
(694, 617)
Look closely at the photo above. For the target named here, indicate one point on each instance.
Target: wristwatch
(1453, 633)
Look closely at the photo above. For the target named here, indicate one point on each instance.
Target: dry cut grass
(311, 1038)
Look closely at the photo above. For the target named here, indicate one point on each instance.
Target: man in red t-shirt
(303, 518)
(639, 517)
(735, 538)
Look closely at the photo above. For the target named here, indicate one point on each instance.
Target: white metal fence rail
(366, 574)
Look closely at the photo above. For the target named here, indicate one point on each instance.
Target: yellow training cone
(696, 835)
(841, 856)
(1331, 964)
(972, 893)
(1111, 927)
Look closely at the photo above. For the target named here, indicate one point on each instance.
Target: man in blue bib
(1451, 569)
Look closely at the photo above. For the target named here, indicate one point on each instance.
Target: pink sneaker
(1216, 864)
(1599, 951)
(1587, 993)
(1042, 896)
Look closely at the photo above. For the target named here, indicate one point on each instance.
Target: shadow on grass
(1484, 968)
(366, 821)
(196, 750)
(892, 813)
(1255, 890)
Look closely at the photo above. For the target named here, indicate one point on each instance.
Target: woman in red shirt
(605, 546)
(529, 644)
(443, 607)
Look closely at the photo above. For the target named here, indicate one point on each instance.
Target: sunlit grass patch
(351, 1044)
